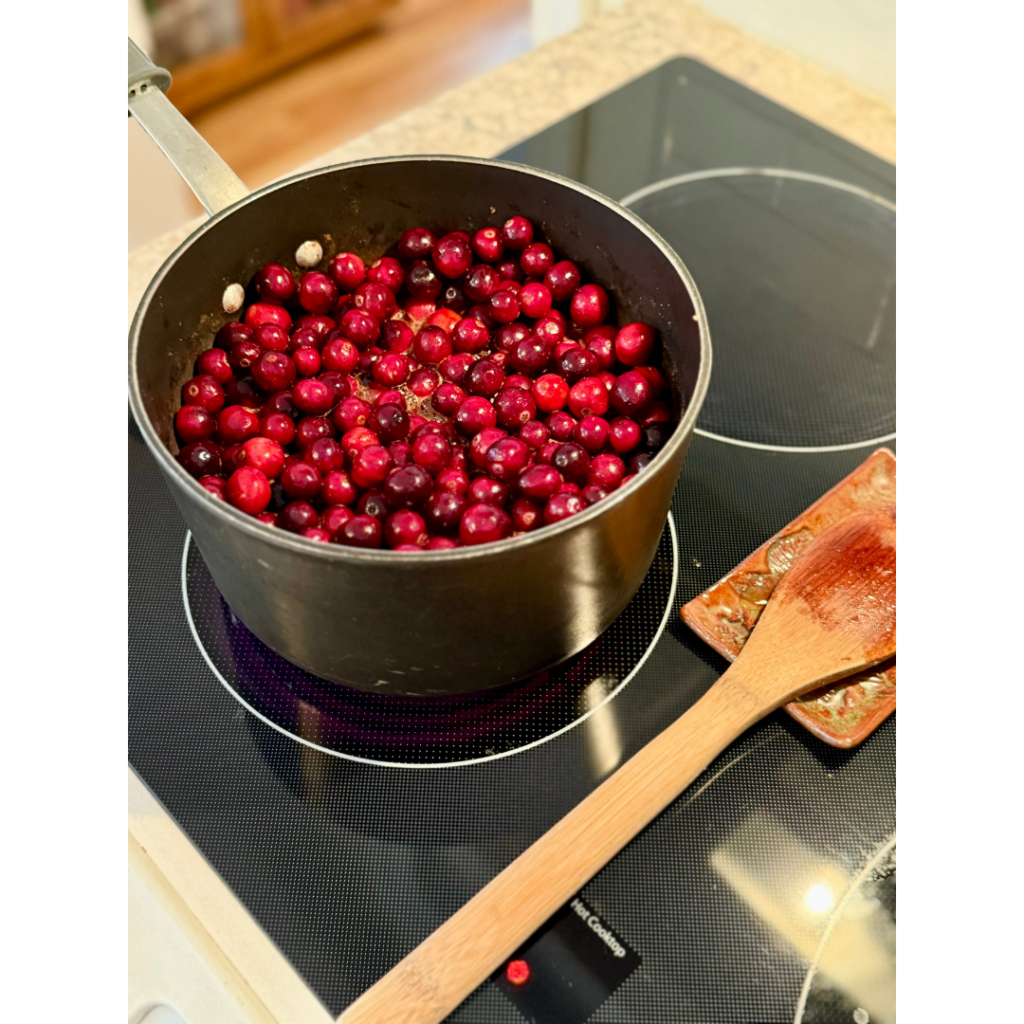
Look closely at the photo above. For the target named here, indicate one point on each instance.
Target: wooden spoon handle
(449, 964)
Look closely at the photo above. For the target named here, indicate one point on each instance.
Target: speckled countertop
(488, 115)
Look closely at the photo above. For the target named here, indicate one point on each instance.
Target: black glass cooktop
(351, 825)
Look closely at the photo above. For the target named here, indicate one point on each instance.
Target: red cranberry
(640, 462)
(352, 412)
(304, 337)
(631, 393)
(282, 402)
(488, 245)
(550, 329)
(577, 363)
(634, 344)
(317, 293)
(423, 282)
(310, 429)
(307, 362)
(537, 259)
(391, 369)
(372, 503)
(606, 471)
(301, 480)
(406, 530)
(572, 462)
(504, 306)
(297, 516)
(408, 487)
(535, 300)
(340, 385)
(248, 490)
(452, 255)
(534, 433)
(601, 341)
(355, 440)
(479, 445)
(480, 283)
(453, 479)
(565, 345)
(588, 397)
(550, 392)
(655, 435)
(510, 270)
(424, 382)
(482, 524)
(455, 367)
(243, 355)
(233, 458)
(483, 314)
(516, 380)
(264, 313)
(245, 393)
(201, 458)
(563, 279)
(215, 485)
(485, 378)
(267, 518)
(470, 335)
(546, 452)
(396, 336)
(507, 458)
(531, 356)
(401, 453)
(431, 452)
(431, 345)
(360, 532)
(340, 355)
(589, 306)
(447, 399)
(326, 455)
(272, 338)
(415, 244)
(561, 425)
(444, 511)
(441, 544)
(526, 515)
(561, 506)
(488, 491)
(658, 412)
(231, 334)
(389, 422)
(591, 433)
(360, 328)
(592, 493)
(508, 336)
(658, 384)
(388, 272)
(235, 425)
(517, 233)
(472, 416)
(275, 284)
(321, 326)
(514, 407)
(540, 482)
(313, 396)
(334, 518)
(265, 455)
(317, 534)
(371, 466)
(607, 379)
(373, 299)
(348, 271)
(274, 371)
(278, 427)
(623, 434)
(214, 363)
(454, 298)
(203, 391)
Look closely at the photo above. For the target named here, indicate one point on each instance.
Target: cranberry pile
(462, 390)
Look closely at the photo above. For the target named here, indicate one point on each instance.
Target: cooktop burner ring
(804, 449)
(578, 719)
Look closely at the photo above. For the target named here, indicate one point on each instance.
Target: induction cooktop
(351, 825)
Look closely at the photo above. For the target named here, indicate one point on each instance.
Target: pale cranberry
(507, 458)
(452, 255)
(310, 429)
(550, 329)
(275, 283)
(563, 279)
(316, 533)
(374, 299)
(355, 440)
(444, 511)
(508, 336)
(415, 244)
(510, 270)
(606, 471)
(423, 282)
(591, 433)
(540, 482)
(297, 516)
(388, 272)
(235, 424)
(405, 529)
(504, 306)
(485, 490)
(215, 485)
(453, 479)
(214, 363)
(243, 355)
(526, 515)
(623, 434)
(601, 341)
(517, 233)
(248, 490)
(534, 433)
(334, 518)
(550, 392)
(348, 271)
(274, 371)
(561, 506)
(472, 416)
(514, 407)
(630, 393)
(577, 363)
(634, 344)
(203, 391)
(482, 524)
(265, 313)
(431, 452)
(589, 306)
(479, 445)
(531, 356)
(455, 367)
(391, 369)
(312, 396)
(265, 455)
(561, 426)
(470, 335)
(201, 458)
(537, 259)
(307, 362)
(488, 245)
(535, 300)
(272, 338)
(232, 333)
(371, 466)
(447, 399)
(360, 532)
(337, 488)
(588, 397)
(441, 544)
(349, 413)
(573, 462)
(640, 462)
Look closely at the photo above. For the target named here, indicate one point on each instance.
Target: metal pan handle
(216, 186)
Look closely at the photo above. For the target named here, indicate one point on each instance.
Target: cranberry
(588, 397)
(573, 462)
(312, 396)
(482, 524)
(517, 380)
(454, 298)
(349, 413)
(297, 516)
(447, 399)
(561, 506)
(480, 283)
(243, 355)
(540, 482)
(485, 378)
(561, 425)
(389, 422)
(546, 452)
(405, 528)
(607, 379)
(373, 503)
(640, 462)
(334, 518)
(479, 445)
(203, 391)
(526, 515)
(488, 491)
(470, 335)
(315, 533)
(267, 518)
(517, 233)
(248, 490)
(563, 278)
(550, 329)
(340, 385)
(488, 245)
(441, 544)
(360, 328)
(534, 433)
(265, 455)
(215, 485)
(591, 433)
(431, 345)
(455, 367)
(453, 479)
(431, 452)
(307, 362)
(510, 270)
(348, 271)
(601, 341)
(235, 424)
(274, 371)
(201, 458)
(514, 407)
(317, 293)
(265, 313)
(424, 382)
(275, 284)
(214, 363)
(386, 271)
(444, 511)
(623, 434)
(550, 392)
(507, 458)
(310, 429)
(630, 393)
(337, 488)
(283, 403)
(360, 532)
(606, 471)
(408, 487)
(396, 336)
(391, 369)
(634, 344)
(272, 338)
(537, 259)
(577, 363)
(415, 244)
(655, 435)
(355, 440)
(535, 300)
(483, 314)
(589, 306)
(321, 326)
(504, 306)
(301, 480)
(232, 333)
(452, 255)
(304, 337)
(423, 282)
(326, 455)
(233, 458)
(565, 345)
(531, 356)
(340, 355)
(658, 384)
(374, 299)
(472, 416)
(371, 466)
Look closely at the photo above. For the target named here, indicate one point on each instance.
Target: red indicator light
(518, 972)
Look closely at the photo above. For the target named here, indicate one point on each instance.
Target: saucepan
(396, 622)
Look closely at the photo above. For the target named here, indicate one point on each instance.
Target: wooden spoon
(832, 614)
